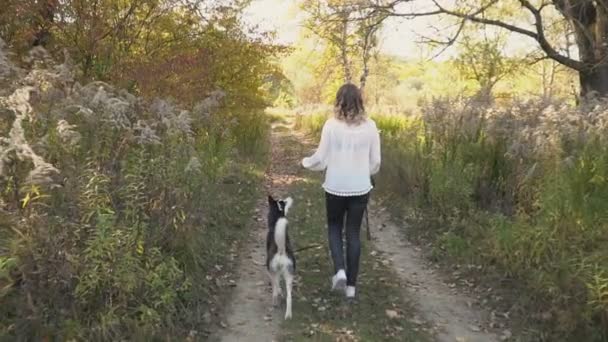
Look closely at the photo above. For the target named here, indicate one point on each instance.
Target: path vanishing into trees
(420, 304)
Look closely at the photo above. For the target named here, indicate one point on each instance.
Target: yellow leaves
(140, 247)
(181, 215)
(597, 179)
(179, 218)
(33, 194)
(6, 264)
(598, 288)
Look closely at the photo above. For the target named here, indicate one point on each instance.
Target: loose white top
(349, 154)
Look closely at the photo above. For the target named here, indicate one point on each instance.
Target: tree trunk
(344, 50)
(594, 81)
(363, 80)
(366, 56)
(484, 96)
(548, 74)
(44, 20)
(589, 20)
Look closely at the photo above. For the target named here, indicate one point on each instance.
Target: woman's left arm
(374, 152)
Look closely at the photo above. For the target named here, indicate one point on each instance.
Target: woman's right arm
(318, 161)
(374, 152)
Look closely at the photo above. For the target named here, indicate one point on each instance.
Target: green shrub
(521, 189)
(113, 209)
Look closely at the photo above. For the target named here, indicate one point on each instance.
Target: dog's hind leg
(288, 287)
(276, 287)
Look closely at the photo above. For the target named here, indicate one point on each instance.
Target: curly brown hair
(349, 105)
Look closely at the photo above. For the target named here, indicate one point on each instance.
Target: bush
(522, 189)
(113, 211)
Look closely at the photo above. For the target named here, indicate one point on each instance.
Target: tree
(587, 21)
(183, 49)
(340, 25)
(481, 59)
(27, 23)
(383, 77)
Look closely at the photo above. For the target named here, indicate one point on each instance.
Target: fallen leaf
(207, 317)
(474, 328)
(416, 321)
(392, 314)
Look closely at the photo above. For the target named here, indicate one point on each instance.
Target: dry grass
(113, 210)
(522, 190)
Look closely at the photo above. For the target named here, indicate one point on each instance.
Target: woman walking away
(349, 153)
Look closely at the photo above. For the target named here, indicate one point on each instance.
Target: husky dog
(280, 260)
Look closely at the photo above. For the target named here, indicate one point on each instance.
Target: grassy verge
(529, 227)
(227, 234)
(320, 315)
(132, 236)
(530, 221)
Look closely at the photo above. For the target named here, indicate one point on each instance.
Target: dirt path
(450, 312)
(250, 314)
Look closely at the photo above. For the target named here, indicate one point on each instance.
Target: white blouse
(349, 154)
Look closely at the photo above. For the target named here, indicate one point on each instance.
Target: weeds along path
(399, 297)
(250, 314)
(380, 312)
(450, 312)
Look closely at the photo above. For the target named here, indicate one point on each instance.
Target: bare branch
(446, 44)
(414, 14)
(539, 35)
(537, 60)
(369, 34)
(542, 39)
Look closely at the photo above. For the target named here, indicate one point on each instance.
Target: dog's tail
(280, 231)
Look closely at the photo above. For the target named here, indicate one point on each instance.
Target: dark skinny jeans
(352, 208)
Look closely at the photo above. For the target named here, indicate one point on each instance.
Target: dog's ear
(288, 203)
(271, 200)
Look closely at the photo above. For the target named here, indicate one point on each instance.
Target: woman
(349, 152)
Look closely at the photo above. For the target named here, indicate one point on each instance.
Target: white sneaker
(350, 292)
(338, 281)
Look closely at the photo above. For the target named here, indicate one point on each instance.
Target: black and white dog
(280, 260)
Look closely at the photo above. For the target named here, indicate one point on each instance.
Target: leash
(369, 234)
(314, 245)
